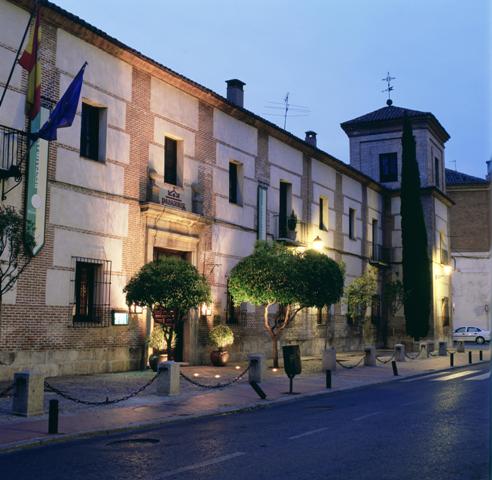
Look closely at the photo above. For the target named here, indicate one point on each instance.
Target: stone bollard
(330, 360)
(423, 350)
(168, 379)
(370, 356)
(443, 349)
(460, 347)
(28, 396)
(256, 367)
(400, 352)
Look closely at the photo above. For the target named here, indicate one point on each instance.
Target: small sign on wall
(119, 317)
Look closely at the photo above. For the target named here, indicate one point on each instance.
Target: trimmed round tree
(417, 283)
(169, 283)
(273, 274)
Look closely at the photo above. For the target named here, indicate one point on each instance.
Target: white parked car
(471, 334)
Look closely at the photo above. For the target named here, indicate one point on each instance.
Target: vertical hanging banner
(37, 176)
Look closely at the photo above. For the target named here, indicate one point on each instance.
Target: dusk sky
(329, 55)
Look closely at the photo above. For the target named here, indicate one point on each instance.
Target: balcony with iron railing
(13, 146)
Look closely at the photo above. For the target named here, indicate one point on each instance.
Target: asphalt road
(435, 427)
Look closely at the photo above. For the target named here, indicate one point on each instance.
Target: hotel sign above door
(171, 198)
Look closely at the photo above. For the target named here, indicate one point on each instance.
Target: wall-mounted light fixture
(205, 309)
(318, 243)
(136, 309)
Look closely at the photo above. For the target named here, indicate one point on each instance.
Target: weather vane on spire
(389, 88)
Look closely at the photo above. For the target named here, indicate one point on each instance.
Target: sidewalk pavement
(147, 408)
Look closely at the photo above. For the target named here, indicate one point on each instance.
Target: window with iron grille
(388, 167)
(91, 282)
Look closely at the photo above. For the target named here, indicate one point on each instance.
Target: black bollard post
(291, 379)
(53, 417)
(451, 359)
(328, 379)
(470, 360)
(480, 355)
(395, 368)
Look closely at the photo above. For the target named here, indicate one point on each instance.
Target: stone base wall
(51, 363)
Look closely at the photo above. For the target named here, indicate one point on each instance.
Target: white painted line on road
(454, 375)
(484, 376)
(311, 432)
(423, 377)
(206, 463)
(366, 416)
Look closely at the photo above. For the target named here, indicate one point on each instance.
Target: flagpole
(16, 57)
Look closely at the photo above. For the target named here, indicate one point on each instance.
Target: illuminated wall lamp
(205, 309)
(318, 243)
(136, 309)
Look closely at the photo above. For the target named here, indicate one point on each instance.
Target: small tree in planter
(171, 284)
(16, 246)
(273, 274)
(220, 337)
(358, 295)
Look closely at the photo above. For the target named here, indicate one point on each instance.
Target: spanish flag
(30, 61)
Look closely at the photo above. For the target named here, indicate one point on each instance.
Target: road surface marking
(311, 432)
(423, 377)
(480, 377)
(455, 375)
(366, 416)
(206, 463)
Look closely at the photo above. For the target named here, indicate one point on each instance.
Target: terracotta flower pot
(219, 358)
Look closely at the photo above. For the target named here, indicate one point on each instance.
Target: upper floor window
(262, 212)
(93, 132)
(352, 223)
(285, 205)
(323, 213)
(388, 167)
(92, 284)
(437, 176)
(235, 183)
(171, 161)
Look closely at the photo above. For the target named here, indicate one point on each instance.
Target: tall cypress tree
(416, 264)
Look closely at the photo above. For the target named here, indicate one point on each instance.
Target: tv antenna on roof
(389, 88)
(296, 110)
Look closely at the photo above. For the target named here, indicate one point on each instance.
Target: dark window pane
(351, 223)
(284, 191)
(171, 161)
(388, 167)
(322, 225)
(436, 172)
(85, 278)
(232, 182)
(89, 132)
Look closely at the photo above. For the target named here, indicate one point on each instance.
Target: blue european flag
(64, 111)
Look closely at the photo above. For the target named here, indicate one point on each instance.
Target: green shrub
(221, 336)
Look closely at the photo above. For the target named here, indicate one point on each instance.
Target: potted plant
(291, 225)
(156, 343)
(220, 337)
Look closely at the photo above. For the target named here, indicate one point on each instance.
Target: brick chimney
(311, 138)
(235, 93)
(489, 170)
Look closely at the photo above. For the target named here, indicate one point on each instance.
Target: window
(92, 283)
(324, 315)
(171, 161)
(262, 213)
(470, 329)
(445, 311)
(323, 213)
(436, 172)
(352, 223)
(443, 249)
(388, 167)
(284, 208)
(93, 132)
(460, 330)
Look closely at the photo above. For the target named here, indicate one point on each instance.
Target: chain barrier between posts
(67, 396)
(385, 361)
(6, 391)
(218, 385)
(410, 357)
(348, 367)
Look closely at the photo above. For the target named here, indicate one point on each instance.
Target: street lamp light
(318, 244)
(447, 270)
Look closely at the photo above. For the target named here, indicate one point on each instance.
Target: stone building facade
(471, 248)
(176, 169)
